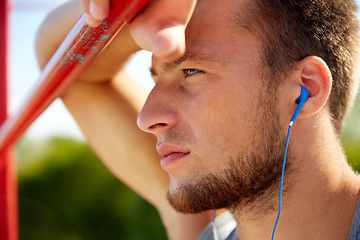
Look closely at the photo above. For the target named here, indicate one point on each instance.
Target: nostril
(157, 125)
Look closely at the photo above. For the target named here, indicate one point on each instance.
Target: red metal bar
(8, 177)
(79, 48)
(3, 59)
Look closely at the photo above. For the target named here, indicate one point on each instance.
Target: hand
(160, 28)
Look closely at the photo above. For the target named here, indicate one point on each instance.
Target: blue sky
(25, 20)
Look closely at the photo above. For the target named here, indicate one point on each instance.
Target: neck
(321, 194)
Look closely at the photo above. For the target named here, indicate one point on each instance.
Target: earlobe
(315, 75)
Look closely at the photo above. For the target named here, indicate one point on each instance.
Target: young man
(220, 112)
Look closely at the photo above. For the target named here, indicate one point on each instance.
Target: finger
(169, 43)
(160, 27)
(99, 9)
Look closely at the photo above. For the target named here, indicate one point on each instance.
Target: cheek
(220, 122)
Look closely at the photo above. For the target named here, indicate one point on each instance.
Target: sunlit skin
(207, 113)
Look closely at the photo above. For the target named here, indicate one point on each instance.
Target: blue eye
(191, 71)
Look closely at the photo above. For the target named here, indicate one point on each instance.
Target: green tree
(351, 136)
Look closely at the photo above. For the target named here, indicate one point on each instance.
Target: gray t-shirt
(226, 227)
(355, 227)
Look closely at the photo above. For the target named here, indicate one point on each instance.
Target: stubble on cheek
(249, 179)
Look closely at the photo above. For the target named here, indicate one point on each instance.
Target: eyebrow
(188, 56)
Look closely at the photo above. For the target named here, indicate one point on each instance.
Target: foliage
(66, 193)
(351, 136)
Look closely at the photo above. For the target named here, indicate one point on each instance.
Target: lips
(170, 153)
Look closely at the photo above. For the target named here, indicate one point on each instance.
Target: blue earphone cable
(300, 101)
(282, 180)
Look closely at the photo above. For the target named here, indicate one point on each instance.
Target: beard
(248, 177)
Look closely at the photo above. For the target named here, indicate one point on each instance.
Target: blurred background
(65, 192)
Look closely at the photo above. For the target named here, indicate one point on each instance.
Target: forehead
(214, 28)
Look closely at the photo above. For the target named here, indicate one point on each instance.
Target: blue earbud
(300, 101)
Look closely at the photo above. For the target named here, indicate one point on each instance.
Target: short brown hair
(291, 30)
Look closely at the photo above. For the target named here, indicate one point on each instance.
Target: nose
(158, 113)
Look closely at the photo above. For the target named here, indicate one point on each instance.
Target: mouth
(170, 154)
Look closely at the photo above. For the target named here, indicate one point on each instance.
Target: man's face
(208, 111)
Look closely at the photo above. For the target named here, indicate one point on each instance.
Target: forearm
(107, 118)
(105, 103)
(105, 108)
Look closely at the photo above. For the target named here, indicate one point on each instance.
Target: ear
(314, 74)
